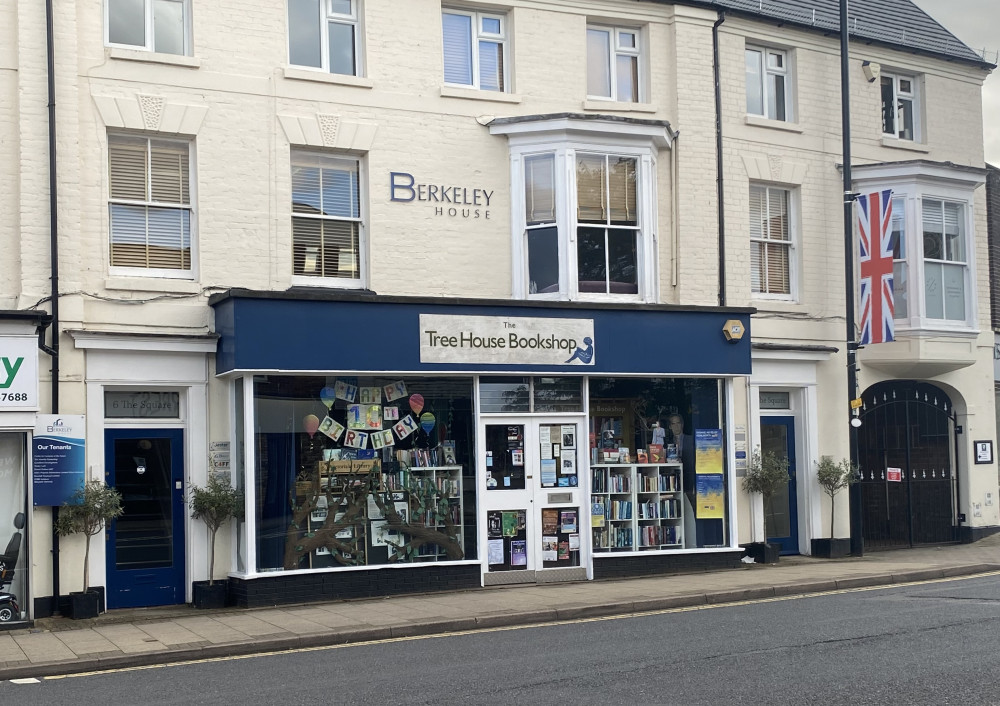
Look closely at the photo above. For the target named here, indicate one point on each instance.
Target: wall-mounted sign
(984, 451)
(894, 475)
(447, 200)
(142, 405)
(18, 373)
(774, 400)
(506, 340)
(58, 458)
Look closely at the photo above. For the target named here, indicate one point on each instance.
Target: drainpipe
(54, 262)
(857, 541)
(720, 191)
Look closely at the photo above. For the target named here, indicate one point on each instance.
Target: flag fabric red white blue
(875, 236)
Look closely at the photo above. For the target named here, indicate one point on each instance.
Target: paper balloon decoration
(427, 421)
(310, 423)
(416, 402)
(328, 396)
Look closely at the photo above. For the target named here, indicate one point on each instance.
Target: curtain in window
(599, 63)
(539, 189)
(457, 34)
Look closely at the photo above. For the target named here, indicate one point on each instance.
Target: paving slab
(172, 633)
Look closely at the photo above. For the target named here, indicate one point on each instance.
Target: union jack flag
(875, 235)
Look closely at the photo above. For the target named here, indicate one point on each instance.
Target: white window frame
(765, 72)
(164, 273)
(793, 239)
(897, 94)
(615, 50)
(361, 220)
(565, 138)
(912, 185)
(478, 35)
(326, 17)
(148, 29)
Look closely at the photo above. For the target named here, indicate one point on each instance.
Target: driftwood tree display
(427, 521)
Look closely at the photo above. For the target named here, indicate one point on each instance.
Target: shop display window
(356, 470)
(657, 464)
(13, 533)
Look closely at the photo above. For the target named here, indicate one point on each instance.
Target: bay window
(584, 207)
(932, 242)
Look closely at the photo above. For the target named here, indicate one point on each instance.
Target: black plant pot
(831, 548)
(762, 552)
(84, 604)
(209, 596)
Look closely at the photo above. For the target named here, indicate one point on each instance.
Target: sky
(977, 23)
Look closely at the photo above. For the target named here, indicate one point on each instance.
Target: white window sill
(478, 95)
(325, 282)
(152, 57)
(325, 77)
(760, 121)
(910, 145)
(773, 299)
(152, 284)
(935, 330)
(618, 106)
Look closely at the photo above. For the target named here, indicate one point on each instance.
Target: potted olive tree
(833, 476)
(766, 474)
(214, 504)
(87, 512)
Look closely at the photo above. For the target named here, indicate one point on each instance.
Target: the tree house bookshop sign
(506, 340)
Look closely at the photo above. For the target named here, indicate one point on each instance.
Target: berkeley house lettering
(455, 201)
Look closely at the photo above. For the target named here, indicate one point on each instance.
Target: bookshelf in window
(636, 507)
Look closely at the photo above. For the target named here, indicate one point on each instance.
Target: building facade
(495, 299)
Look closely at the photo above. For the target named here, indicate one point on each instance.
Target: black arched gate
(906, 455)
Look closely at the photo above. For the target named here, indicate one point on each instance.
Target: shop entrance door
(777, 434)
(145, 546)
(530, 470)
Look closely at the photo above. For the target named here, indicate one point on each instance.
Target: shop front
(394, 445)
(19, 404)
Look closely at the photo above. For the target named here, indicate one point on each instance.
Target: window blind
(457, 35)
(539, 189)
(326, 210)
(153, 230)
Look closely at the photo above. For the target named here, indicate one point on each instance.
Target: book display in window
(383, 494)
(636, 507)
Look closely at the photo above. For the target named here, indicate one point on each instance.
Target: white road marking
(574, 621)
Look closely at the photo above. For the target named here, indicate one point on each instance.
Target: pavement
(137, 637)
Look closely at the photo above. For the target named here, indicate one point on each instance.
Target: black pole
(857, 543)
(54, 264)
(719, 190)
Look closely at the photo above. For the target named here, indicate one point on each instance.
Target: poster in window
(708, 451)
(709, 497)
(518, 553)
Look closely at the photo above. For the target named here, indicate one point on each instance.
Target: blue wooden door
(781, 517)
(145, 546)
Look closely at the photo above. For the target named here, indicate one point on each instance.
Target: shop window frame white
(149, 33)
(362, 221)
(477, 35)
(785, 72)
(328, 16)
(565, 137)
(616, 50)
(793, 196)
(912, 184)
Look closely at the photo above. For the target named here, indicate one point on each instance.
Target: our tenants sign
(506, 340)
(447, 199)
